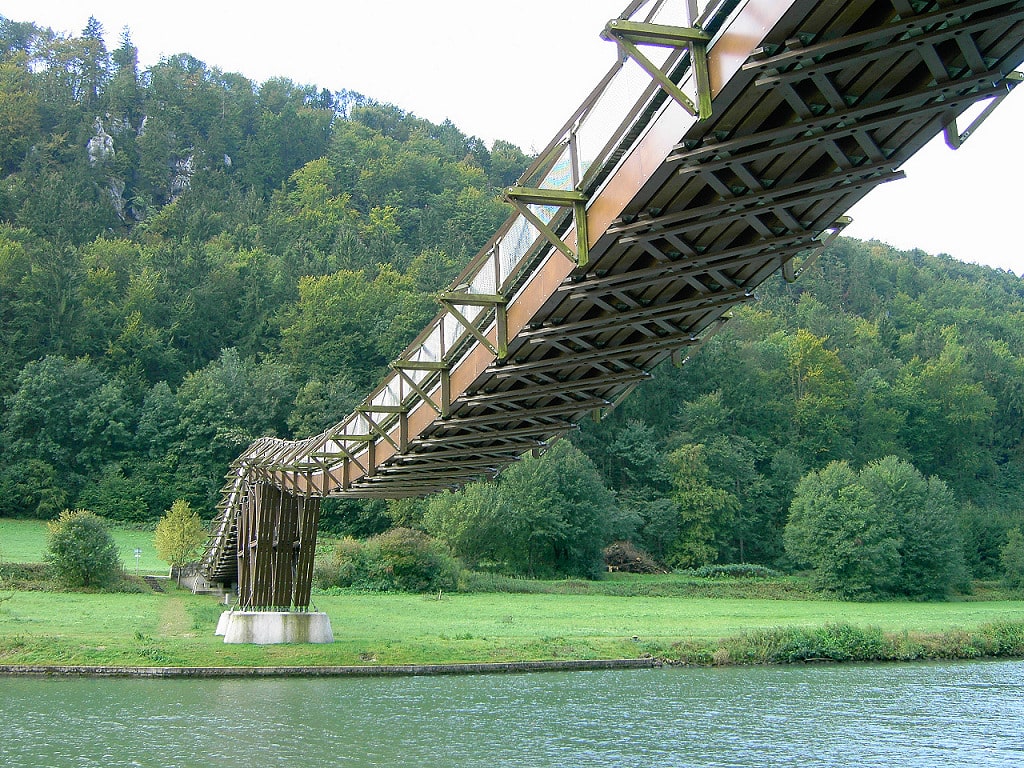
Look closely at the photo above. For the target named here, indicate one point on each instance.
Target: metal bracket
(955, 139)
(443, 409)
(450, 299)
(628, 35)
(790, 274)
(523, 197)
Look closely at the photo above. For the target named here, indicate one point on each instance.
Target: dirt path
(174, 619)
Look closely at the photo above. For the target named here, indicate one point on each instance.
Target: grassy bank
(176, 629)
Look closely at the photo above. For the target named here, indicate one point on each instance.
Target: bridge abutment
(275, 627)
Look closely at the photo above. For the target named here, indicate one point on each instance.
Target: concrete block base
(271, 627)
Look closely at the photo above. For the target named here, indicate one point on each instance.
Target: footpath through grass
(176, 629)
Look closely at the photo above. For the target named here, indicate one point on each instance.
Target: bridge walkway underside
(679, 218)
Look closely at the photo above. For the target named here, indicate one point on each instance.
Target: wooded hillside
(190, 260)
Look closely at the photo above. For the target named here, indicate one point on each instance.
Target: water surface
(927, 715)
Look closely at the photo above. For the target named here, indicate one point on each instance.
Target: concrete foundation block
(271, 627)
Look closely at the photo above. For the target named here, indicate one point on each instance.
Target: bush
(401, 560)
(80, 550)
(25, 576)
(734, 570)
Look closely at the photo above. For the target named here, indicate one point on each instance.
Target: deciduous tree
(179, 535)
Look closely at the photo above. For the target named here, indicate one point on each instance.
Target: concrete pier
(271, 627)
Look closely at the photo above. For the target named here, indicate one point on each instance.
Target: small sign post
(138, 554)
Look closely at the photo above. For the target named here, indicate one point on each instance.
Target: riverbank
(379, 632)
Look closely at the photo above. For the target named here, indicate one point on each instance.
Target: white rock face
(183, 171)
(100, 146)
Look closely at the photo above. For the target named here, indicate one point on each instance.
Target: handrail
(583, 150)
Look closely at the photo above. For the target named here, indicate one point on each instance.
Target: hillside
(189, 260)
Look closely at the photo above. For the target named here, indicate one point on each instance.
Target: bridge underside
(633, 246)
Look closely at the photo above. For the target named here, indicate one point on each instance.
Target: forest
(190, 260)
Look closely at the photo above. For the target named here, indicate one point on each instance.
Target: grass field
(625, 616)
(24, 541)
(176, 629)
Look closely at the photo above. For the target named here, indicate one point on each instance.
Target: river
(927, 715)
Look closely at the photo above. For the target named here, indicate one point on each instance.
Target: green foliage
(1011, 557)
(81, 552)
(179, 535)
(884, 531)
(326, 330)
(705, 509)
(845, 642)
(399, 560)
(545, 516)
(835, 528)
(251, 256)
(735, 570)
(931, 559)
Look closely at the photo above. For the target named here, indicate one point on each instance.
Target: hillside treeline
(190, 260)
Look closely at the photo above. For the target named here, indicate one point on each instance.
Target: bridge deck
(812, 104)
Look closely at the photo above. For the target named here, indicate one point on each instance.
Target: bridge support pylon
(276, 547)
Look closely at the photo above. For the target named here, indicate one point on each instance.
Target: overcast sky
(516, 71)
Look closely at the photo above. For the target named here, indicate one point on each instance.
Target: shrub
(785, 645)
(735, 570)
(402, 560)
(80, 550)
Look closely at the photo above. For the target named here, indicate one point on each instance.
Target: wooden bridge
(724, 145)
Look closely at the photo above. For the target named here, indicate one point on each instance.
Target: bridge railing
(580, 155)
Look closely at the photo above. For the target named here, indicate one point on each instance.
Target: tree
(80, 550)
(1011, 557)
(706, 512)
(179, 535)
(68, 414)
(931, 552)
(19, 115)
(835, 528)
(347, 322)
(546, 516)
(886, 530)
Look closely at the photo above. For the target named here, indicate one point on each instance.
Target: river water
(928, 715)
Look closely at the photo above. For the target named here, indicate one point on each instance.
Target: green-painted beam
(523, 197)
(663, 35)
(537, 196)
(381, 409)
(416, 365)
(473, 299)
(630, 34)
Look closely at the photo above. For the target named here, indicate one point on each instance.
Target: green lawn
(24, 541)
(624, 616)
(177, 628)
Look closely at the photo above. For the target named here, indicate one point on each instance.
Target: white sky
(516, 71)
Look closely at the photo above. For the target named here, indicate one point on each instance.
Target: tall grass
(845, 642)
